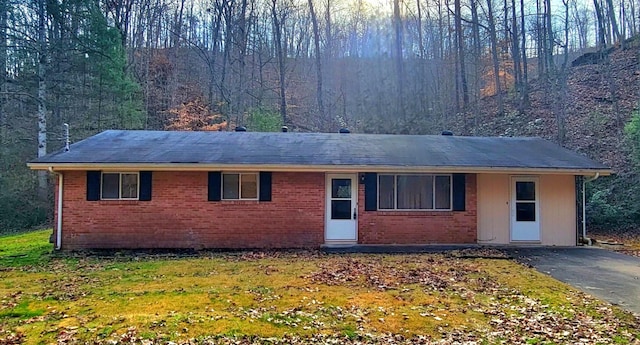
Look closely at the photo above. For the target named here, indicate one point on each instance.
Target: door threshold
(338, 244)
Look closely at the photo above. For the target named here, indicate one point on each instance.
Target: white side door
(341, 208)
(525, 209)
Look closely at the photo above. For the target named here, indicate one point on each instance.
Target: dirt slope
(595, 116)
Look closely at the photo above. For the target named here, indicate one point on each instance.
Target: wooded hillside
(566, 70)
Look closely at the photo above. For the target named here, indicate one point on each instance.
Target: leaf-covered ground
(303, 297)
(625, 240)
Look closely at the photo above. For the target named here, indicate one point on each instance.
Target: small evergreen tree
(118, 95)
(264, 120)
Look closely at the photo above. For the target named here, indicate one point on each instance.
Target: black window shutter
(93, 185)
(145, 185)
(370, 191)
(265, 186)
(459, 193)
(215, 186)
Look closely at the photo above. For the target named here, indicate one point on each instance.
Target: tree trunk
(420, 38)
(3, 76)
(614, 22)
(560, 84)
(242, 51)
(550, 39)
(42, 97)
(494, 55)
(540, 41)
(515, 50)
(477, 52)
(277, 26)
(525, 67)
(328, 32)
(602, 42)
(461, 59)
(316, 43)
(397, 21)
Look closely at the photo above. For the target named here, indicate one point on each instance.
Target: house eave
(312, 168)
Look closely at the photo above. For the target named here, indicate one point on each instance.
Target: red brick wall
(179, 215)
(420, 227)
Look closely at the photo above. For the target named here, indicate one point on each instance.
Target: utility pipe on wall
(59, 219)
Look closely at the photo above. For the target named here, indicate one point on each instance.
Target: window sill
(118, 202)
(412, 212)
(239, 201)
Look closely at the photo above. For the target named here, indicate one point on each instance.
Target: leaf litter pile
(303, 297)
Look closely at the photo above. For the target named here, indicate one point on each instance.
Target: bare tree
(4, 8)
(611, 14)
(525, 67)
(460, 53)
(277, 28)
(316, 44)
(494, 55)
(398, 58)
(42, 96)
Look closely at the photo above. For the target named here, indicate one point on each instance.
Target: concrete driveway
(608, 275)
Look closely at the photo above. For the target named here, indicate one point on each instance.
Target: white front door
(525, 209)
(342, 208)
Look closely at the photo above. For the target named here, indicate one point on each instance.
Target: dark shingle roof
(317, 149)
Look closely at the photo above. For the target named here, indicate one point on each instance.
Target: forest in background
(565, 70)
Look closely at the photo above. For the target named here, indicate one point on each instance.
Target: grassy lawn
(291, 297)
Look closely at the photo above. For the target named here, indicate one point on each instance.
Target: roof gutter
(584, 203)
(313, 168)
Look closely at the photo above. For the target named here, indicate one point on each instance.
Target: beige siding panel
(558, 210)
(493, 208)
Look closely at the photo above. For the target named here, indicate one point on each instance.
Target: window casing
(120, 186)
(240, 186)
(424, 192)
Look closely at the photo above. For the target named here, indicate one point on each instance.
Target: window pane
(525, 190)
(415, 192)
(525, 211)
(443, 192)
(386, 193)
(340, 209)
(341, 188)
(129, 186)
(110, 186)
(230, 186)
(249, 186)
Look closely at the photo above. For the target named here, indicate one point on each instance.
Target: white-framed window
(414, 192)
(239, 186)
(119, 186)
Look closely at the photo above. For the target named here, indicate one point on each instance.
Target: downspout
(584, 203)
(59, 219)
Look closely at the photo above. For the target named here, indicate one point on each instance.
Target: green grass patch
(29, 248)
(21, 311)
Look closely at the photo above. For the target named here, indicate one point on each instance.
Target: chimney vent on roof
(345, 130)
(66, 137)
(285, 129)
(241, 129)
(447, 133)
